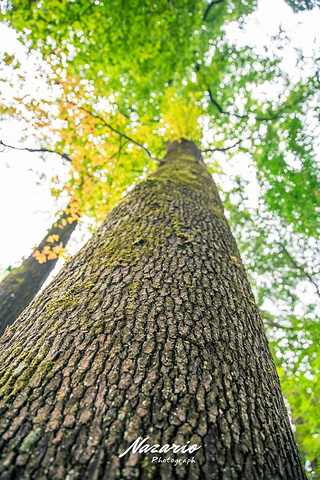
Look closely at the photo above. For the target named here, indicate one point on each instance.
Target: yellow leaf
(63, 223)
(40, 257)
(53, 238)
(52, 255)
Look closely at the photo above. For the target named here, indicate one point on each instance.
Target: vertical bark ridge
(151, 330)
(22, 284)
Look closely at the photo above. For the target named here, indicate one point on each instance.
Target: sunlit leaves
(181, 116)
(290, 175)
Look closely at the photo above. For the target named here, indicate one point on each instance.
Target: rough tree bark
(151, 330)
(22, 284)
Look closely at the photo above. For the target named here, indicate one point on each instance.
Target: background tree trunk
(151, 330)
(22, 284)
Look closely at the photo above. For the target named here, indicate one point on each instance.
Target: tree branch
(36, 150)
(273, 116)
(273, 324)
(216, 104)
(300, 267)
(208, 9)
(223, 112)
(122, 135)
(222, 149)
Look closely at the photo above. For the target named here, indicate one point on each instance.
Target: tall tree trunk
(22, 284)
(150, 331)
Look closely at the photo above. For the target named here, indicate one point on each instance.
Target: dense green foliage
(131, 77)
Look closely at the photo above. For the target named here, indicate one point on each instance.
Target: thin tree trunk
(22, 284)
(150, 331)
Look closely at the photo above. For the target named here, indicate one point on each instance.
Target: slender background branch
(209, 7)
(36, 150)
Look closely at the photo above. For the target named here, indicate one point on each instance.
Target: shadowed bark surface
(151, 330)
(22, 284)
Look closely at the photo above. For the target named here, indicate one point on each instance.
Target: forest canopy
(123, 81)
